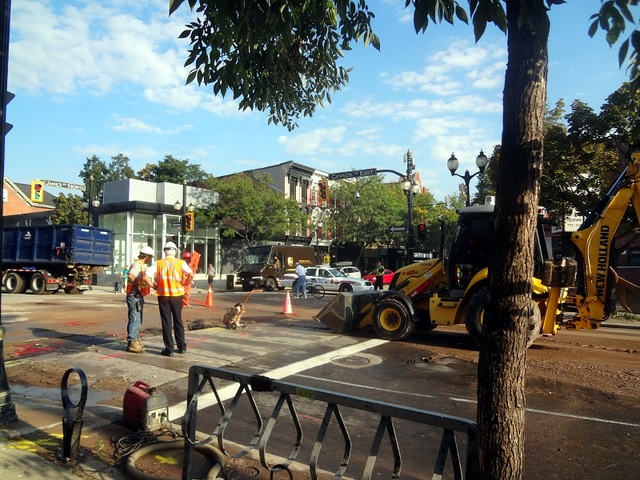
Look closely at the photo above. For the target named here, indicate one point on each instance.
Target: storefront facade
(143, 214)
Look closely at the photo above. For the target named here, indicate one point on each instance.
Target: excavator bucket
(628, 294)
(346, 311)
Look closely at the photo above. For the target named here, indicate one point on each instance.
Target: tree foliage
(249, 208)
(280, 56)
(172, 170)
(69, 209)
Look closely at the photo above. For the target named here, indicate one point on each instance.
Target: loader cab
(467, 251)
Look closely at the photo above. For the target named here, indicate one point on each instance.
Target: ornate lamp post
(452, 165)
(410, 188)
(183, 209)
(92, 203)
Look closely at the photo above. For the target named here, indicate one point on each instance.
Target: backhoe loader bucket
(628, 294)
(345, 312)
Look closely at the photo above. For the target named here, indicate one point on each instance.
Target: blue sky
(104, 78)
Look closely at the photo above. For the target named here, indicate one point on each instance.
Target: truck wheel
(270, 284)
(475, 319)
(14, 283)
(391, 320)
(345, 288)
(37, 284)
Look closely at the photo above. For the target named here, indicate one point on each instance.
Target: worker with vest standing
(186, 256)
(168, 277)
(137, 289)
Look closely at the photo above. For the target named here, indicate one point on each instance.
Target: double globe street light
(481, 163)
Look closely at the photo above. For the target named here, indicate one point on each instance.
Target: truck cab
(264, 265)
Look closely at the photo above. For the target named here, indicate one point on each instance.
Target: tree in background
(265, 51)
(172, 170)
(363, 211)
(251, 209)
(69, 209)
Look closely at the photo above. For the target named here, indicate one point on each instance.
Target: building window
(305, 192)
(293, 183)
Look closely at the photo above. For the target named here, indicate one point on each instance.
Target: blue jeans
(135, 307)
(301, 287)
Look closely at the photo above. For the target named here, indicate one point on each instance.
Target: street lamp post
(183, 209)
(452, 165)
(410, 188)
(92, 203)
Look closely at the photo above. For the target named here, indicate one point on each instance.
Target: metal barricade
(200, 377)
(72, 425)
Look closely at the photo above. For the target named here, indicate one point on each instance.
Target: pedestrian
(168, 277)
(379, 276)
(125, 278)
(210, 274)
(301, 282)
(186, 256)
(137, 289)
(117, 287)
(276, 265)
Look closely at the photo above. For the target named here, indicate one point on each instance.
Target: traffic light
(422, 231)
(189, 222)
(323, 186)
(37, 191)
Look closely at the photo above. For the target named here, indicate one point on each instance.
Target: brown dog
(232, 317)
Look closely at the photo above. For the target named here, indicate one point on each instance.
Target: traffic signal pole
(7, 408)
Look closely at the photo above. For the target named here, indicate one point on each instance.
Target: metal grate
(200, 377)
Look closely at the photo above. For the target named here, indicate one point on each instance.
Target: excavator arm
(597, 281)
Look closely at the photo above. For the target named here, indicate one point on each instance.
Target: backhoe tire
(246, 287)
(14, 283)
(270, 284)
(475, 319)
(391, 320)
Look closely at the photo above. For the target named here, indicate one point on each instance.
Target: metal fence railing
(387, 416)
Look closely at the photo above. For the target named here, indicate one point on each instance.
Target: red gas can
(144, 407)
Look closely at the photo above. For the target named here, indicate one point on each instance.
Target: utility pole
(7, 408)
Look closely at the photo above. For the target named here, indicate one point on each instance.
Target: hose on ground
(208, 450)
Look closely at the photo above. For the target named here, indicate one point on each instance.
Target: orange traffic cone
(209, 301)
(287, 305)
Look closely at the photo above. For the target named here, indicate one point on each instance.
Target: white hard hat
(147, 251)
(170, 246)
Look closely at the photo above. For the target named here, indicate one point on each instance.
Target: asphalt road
(571, 432)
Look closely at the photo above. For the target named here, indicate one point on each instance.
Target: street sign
(176, 224)
(398, 229)
(70, 186)
(353, 174)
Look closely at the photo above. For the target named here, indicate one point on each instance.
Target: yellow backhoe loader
(452, 290)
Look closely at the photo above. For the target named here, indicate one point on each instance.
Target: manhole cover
(352, 360)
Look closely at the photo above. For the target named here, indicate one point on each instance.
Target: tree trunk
(501, 368)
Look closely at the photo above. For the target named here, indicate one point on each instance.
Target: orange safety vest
(142, 288)
(169, 277)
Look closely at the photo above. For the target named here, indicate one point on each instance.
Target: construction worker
(186, 256)
(168, 277)
(137, 289)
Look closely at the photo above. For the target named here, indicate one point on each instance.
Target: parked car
(387, 276)
(335, 281)
(288, 279)
(350, 271)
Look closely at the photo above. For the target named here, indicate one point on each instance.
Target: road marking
(378, 389)
(209, 399)
(558, 414)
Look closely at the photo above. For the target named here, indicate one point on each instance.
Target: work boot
(134, 346)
